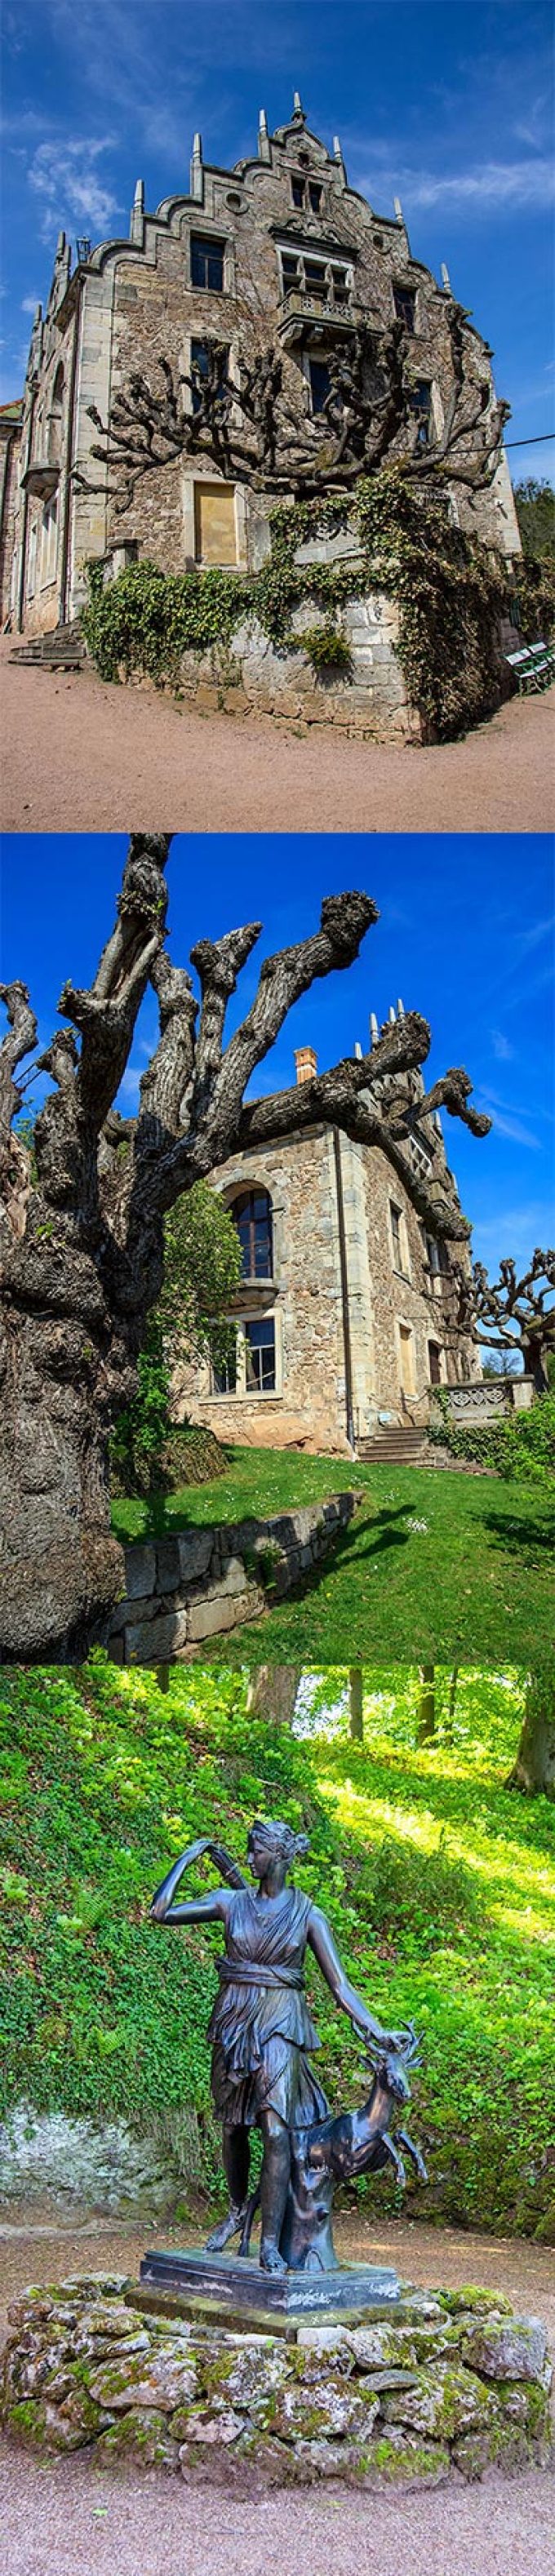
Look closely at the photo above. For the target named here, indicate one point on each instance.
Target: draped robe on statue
(260, 2026)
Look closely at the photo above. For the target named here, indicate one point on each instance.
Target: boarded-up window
(215, 531)
(406, 1359)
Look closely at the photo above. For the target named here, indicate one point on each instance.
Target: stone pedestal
(238, 2293)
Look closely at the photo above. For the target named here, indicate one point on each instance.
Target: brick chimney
(306, 1064)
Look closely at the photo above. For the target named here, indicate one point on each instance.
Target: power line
(539, 440)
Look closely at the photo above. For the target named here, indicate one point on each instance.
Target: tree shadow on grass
(520, 1534)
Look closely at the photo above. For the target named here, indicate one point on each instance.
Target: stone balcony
(308, 316)
(41, 477)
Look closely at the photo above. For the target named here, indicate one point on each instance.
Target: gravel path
(67, 2518)
(73, 2520)
(82, 756)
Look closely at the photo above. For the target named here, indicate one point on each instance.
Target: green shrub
(326, 649)
(516, 1444)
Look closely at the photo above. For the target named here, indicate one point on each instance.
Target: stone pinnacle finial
(337, 152)
(398, 210)
(197, 147)
(374, 1030)
(263, 121)
(298, 109)
(445, 278)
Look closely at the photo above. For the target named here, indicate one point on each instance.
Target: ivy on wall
(450, 592)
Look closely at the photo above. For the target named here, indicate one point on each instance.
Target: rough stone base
(204, 1581)
(460, 2386)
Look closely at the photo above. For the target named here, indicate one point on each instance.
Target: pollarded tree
(512, 1314)
(81, 1239)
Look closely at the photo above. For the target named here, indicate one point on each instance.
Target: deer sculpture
(336, 2151)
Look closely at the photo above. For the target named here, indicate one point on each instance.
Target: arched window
(55, 418)
(252, 1215)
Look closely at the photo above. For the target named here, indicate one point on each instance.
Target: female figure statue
(260, 2027)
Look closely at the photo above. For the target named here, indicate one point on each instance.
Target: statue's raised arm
(211, 1908)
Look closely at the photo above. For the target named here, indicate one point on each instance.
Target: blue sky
(444, 102)
(465, 935)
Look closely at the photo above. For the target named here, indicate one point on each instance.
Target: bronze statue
(262, 2036)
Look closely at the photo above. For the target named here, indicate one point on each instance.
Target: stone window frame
(302, 252)
(306, 179)
(404, 1328)
(404, 287)
(398, 1233)
(432, 1344)
(216, 233)
(49, 539)
(249, 1190)
(241, 1393)
(218, 483)
(32, 559)
(55, 415)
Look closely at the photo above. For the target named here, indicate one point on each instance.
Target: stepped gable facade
(278, 250)
(345, 1317)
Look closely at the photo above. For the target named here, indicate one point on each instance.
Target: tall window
(49, 543)
(252, 1215)
(419, 399)
(316, 281)
(405, 303)
(434, 1363)
(202, 353)
(319, 375)
(395, 1213)
(54, 440)
(207, 263)
(260, 1356)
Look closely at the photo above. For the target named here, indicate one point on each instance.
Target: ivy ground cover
(438, 1883)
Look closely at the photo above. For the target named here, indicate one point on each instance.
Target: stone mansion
(279, 246)
(345, 1314)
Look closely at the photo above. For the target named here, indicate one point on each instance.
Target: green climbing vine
(450, 591)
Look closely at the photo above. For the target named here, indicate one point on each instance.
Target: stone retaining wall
(457, 2386)
(180, 1590)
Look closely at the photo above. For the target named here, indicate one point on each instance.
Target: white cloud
(500, 1047)
(501, 185)
(29, 303)
(65, 176)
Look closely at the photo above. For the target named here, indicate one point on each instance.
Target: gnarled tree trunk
(534, 1770)
(81, 1245)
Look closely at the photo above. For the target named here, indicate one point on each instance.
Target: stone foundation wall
(182, 1589)
(249, 677)
(456, 2385)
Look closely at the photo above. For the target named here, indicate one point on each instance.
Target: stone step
(62, 649)
(403, 1446)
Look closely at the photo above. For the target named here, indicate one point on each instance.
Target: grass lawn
(474, 1583)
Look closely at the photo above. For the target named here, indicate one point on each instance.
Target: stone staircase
(62, 650)
(404, 1445)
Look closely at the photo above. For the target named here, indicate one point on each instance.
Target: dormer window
(207, 263)
(307, 194)
(405, 307)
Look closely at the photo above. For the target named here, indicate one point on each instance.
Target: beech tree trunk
(81, 1235)
(356, 1706)
(272, 1692)
(534, 1770)
(426, 1723)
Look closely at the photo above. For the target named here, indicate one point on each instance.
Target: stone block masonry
(451, 2386)
(197, 1584)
